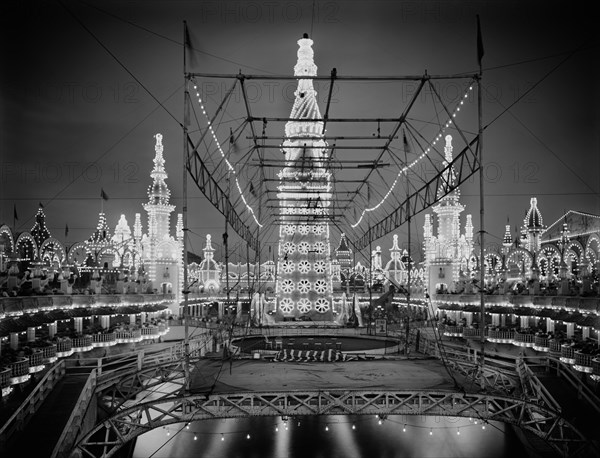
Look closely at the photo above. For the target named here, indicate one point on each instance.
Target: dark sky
(66, 103)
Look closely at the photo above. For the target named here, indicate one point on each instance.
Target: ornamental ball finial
(305, 35)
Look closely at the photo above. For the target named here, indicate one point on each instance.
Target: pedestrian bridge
(137, 392)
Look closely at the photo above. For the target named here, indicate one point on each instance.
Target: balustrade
(129, 336)
(567, 353)
(83, 343)
(36, 361)
(19, 370)
(583, 362)
(498, 336)
(524, 339)
(104, 339)
(541, 343)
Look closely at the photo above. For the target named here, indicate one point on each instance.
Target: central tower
(304, 287)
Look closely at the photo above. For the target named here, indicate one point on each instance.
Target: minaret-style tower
(533, 226)
(158, 208)
(447, 252)
(159, 212)
(304, 284)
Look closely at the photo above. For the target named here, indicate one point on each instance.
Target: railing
(452, 331)
(75, 422)
(19, 370)
(574, 378)
(583, 362)
(64, 347)
(23, 414)
(538, 388)
(596, 368)
(500, 336)
(102, 339)
(49, 353)
(5, 374)
(150, 332)
(131, 336)
(567, 353)
(471, 333)
(83, 343)
(19, 305)
(541, 343)
(36, 361)
(555, 346)
(524, 339)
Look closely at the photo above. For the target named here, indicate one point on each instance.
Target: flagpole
(481, 207)
(186, 317)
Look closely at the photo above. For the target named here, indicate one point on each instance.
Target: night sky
(68, 107)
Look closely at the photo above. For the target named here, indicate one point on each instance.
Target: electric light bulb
(222, 437)
(248, 436)
(326, 428)
(404, 429)
(195, 437)
(458, 431)
(353, 427)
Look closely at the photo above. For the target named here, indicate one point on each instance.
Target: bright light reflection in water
(341, 441)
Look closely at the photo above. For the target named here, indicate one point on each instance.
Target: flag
(252, 190)
(15, 217)
(479, 42)
(40, 204)
(406, 145)
(187, 44)
(66, 230)
(103, 194)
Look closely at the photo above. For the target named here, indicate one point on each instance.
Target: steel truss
(115, 431)
(208, 172)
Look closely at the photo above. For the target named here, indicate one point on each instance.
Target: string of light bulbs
(408, 167)
(229, 166)
(287, 424)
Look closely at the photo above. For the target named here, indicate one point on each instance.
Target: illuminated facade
(304, 286)
(161, 253)
(447, 253)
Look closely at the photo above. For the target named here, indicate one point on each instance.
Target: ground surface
(251, 375)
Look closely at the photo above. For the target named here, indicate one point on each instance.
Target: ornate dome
(533, 218)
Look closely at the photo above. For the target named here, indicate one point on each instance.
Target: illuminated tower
(304, 286)
(162, 254)
(446, 253)
(533, 227)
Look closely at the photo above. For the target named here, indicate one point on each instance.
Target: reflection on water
(332, 437)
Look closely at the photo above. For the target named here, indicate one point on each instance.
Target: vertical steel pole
(186, 314)
(481, 225)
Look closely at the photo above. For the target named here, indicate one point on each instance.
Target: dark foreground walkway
(41, 434)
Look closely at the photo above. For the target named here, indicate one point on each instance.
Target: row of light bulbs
(406, 168)
(380, 421)
(229, 166)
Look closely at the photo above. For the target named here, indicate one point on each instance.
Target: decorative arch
(104, 254)
(77, 253)
(493, 263)
(591, 253)
(6, 238)
(521, 259)
(549, 258)
(577, 247)
(54, 245)
(25, 247)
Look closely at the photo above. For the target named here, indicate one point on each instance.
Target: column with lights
(159, 214)
(304, 287)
